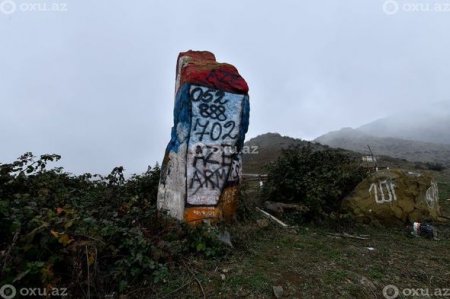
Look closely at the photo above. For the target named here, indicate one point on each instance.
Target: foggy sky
(95, 83)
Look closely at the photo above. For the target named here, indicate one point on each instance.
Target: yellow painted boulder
(395, 197)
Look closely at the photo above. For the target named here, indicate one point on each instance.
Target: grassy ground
(311, 263)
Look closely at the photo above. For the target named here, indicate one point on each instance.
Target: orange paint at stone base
(226, 209)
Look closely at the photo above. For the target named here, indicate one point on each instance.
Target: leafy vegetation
(435, 166)
(91, 233)
(318, 179)
(102, 235)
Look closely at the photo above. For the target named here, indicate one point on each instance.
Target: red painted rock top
(201, 67)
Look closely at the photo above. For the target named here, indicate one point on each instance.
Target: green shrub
(435, 166)
(317, 179)
(88, 231)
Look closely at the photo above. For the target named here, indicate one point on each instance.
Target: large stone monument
(201, 170)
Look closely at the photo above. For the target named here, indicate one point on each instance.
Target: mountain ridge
(412, 150)
(426, 126)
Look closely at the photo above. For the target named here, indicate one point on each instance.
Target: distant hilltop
(393, 152)
(268, 147)
(412, 150)
(432, 125)
(420, 135)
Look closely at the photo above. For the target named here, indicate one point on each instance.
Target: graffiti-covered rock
(395, 197)
(202, 165)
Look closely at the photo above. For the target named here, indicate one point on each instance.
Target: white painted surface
(432, 195)
(384, 191)
(212, 159)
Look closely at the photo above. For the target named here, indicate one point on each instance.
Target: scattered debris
(278, 208)
(416, 174)
(370, 248)
(367, 283)
(272, 218)
(345, 235)
(225, 238)
(278, 291)
(222, 276)
(424, 230)
(262, 223)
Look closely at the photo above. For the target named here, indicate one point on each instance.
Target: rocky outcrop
(395, 197)
(201, 169)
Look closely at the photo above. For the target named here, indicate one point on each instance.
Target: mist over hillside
(355, 140)
(428, 125)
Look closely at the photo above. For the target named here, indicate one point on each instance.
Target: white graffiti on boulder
(432, 195)
(390, 195)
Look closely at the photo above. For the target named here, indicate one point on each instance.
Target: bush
(435, 166)
(317, 179)
(88, 231)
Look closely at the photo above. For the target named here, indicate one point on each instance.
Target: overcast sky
(94, 81)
